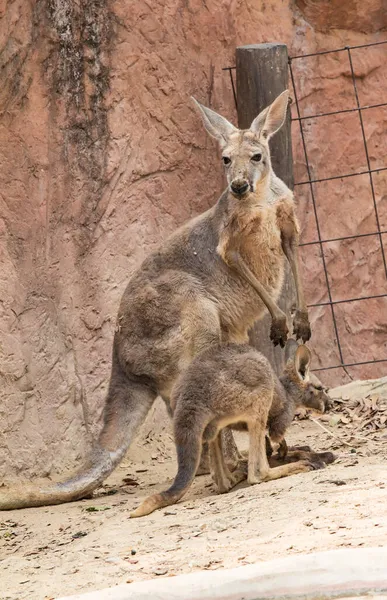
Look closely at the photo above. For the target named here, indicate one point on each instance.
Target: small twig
(330, 432)
(361, 437)
(366, 422)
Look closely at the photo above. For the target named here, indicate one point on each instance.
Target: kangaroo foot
(227, 483)
(327, 457)
(223, 482)
(315, 463)
(296, 453)
(224, 486)
(311, 458)
(255, 480)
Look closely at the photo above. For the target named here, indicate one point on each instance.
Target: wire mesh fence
(311, 181)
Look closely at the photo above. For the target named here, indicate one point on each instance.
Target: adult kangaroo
(208, 282)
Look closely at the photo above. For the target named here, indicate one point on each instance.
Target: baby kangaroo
(234, 385)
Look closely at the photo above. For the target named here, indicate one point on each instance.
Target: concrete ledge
(335, 574)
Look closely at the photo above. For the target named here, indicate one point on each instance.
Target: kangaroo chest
(256, 236)
(260, 247)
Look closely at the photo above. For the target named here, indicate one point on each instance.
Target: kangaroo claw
(279, 331)
(301, 326)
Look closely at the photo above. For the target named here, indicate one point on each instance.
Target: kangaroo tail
(188, 440)
(126, 407)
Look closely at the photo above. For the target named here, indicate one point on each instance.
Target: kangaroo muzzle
(239, 187)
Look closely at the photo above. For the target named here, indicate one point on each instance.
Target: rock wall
(102, 155)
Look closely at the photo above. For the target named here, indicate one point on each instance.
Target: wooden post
(261, 75)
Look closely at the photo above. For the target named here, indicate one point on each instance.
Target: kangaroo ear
(216, 125)
(302, 361)
(290, 349)
(271, 119)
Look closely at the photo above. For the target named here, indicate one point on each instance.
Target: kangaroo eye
(226, 160)
(256, 157)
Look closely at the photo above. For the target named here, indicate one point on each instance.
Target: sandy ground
(54, 551)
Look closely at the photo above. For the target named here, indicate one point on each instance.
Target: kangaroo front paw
(301, 326)
(279, 331)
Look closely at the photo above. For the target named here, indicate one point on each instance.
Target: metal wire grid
(320, 241)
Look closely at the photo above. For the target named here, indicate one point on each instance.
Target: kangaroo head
(245, 153)
(303, 386)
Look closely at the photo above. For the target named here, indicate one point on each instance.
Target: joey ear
(271, 119)
(291, 348)
(216, 125)
(302, 361)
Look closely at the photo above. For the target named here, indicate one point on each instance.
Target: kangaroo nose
(239, 186)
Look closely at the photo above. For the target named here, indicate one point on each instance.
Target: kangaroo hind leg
(188, 429)
(223, 478)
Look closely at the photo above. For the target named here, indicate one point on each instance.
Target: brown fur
(228, 385)
(209, 282)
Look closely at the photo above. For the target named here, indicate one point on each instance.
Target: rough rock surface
(102, 155)
(366, 17)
